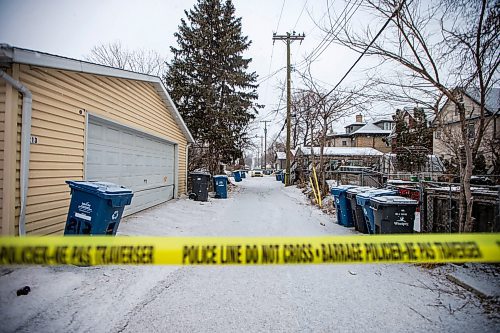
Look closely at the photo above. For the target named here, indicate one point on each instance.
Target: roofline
(464, 91)
(36, 58)
(376, 152)
(386, 132)
(383, 120)
(357, 124)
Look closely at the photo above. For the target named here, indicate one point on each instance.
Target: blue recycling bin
(237, 176)
(342, 204)
(363, 200)
(279, 175)
(220, 186)
(243, 174)
(356, 210)
(96, 208)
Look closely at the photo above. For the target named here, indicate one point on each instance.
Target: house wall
(447, 137)
(371, 141)
(337, 142)
(61, 100)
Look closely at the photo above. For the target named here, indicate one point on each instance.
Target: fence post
(422, 205)
(449, 209)
(497, 229)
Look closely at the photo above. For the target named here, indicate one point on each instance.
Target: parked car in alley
(257, 173)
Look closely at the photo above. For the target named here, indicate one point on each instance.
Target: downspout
(187, 165)
(25, 144)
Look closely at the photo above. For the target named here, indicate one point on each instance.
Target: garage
(134, 159)
(64, 119)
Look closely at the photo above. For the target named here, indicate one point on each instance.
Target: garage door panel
(132, 159)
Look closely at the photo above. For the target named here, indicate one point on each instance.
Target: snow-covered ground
(325, 298)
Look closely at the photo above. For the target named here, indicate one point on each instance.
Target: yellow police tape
(105, 250)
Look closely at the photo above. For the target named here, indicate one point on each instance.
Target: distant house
(364, 135)
(280, 159)
(447, 133)
(85, 122)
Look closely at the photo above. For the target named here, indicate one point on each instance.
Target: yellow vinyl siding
(2, 133)
(60, 102)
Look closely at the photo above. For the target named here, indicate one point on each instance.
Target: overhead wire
(349, 12)
(300, 15)
(361, 55)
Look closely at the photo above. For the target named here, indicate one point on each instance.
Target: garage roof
(342, 151)
(9, 54)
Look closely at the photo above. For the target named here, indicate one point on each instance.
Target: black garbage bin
(200, 181)
(96, 208)
(393, 214)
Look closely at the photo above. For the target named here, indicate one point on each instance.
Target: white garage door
(132, 159)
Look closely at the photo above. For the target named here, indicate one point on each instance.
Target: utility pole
(288, 38)
(261, 151)
(265, 142)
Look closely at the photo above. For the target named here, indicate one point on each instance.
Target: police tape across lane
(105, 250)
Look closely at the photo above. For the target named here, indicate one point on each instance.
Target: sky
(71, 28)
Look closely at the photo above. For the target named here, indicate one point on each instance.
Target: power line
(326, 41)
(281, 13)
(325, 37)
(300, 15)
(359, 58)
(269, 76)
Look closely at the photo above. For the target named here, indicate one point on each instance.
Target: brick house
(361, 134)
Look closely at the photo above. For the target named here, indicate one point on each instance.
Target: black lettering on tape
(375, 252)
(230, 254)
(199, 255)
(251, 254)
(297, 253)
(7, 255)
(270, 254)
(458, 250)
(337, 252)
(80, 255)
(135, 255)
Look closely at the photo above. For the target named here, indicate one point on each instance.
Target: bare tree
(323, 109)
(115, 55)
(432, 48)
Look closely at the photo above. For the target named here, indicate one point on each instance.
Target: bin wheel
(192, 196)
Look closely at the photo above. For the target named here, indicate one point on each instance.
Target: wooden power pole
(288, 38)
(265, 142)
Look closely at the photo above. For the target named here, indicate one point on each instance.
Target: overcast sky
(71, 28)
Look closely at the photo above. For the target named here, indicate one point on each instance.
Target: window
(471, 131)
(437, 134)
(344, 143)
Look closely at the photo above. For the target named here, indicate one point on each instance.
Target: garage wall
(2, 126)
(60, 102)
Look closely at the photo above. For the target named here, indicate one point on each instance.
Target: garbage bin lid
(200, 173)
(376, 193)
(220, 176)
(393, 200)
(341, 188)
(98, 187)
(356, 190)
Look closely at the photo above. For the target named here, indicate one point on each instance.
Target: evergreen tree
(208, 79)
(413, 142)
